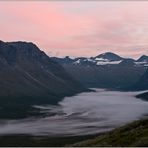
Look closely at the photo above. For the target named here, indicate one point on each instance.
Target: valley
(75, 118)
(46, 98)
(84, 114)
(73, 73)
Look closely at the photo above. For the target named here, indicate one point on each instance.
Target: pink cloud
(77, 28)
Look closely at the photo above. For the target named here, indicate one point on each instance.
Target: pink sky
(78, 28)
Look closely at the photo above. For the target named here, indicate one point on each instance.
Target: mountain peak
(1, 41)
(21, 45)
(143, 58)
(28, 76)
(109, 56)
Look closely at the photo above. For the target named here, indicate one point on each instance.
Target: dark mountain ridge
(29, 77)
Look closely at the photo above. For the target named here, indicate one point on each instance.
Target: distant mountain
(66, 60)
(108, 56)
(142, 61)
(127, 62)
(107, 70)
(29, 77)
(143, 58)
(75, 61)
(84, 61)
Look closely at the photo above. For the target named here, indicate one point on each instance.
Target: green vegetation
(133, 134)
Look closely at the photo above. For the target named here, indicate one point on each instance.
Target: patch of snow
(77, 62)
(103, 54)
(90, 60)
(140, 62)
(109, 63)
(71, 57)
(101, 59)
(145, 65)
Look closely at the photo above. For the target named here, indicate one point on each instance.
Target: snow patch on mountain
(109, 62)
(144, 63)
(101, 59)
(77, 62)
(107, 58)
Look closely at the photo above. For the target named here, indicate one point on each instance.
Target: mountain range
(107, 58)
(107, 70)
(29, 77)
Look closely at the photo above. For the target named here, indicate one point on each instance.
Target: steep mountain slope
(28, 76)
(142, 83)
(103, 76)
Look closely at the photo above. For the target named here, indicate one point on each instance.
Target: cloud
(77, 28)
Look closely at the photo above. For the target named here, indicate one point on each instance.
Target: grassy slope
(133, 134)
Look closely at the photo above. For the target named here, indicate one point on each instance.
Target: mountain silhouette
(29, 77)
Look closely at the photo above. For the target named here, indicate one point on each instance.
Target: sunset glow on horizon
(75, 28)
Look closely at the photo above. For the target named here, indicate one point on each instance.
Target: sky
(78, 28)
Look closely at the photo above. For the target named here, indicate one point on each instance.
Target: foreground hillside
(29, 77)
(133, 134)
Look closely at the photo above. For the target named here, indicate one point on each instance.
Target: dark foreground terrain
(28, 140)
(133, 134)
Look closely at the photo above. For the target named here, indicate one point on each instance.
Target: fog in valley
(85, 113)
